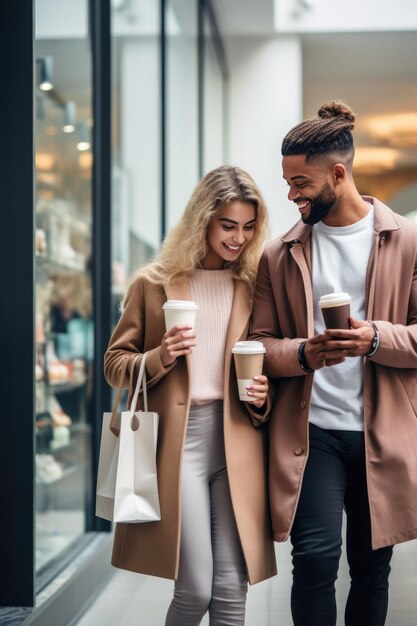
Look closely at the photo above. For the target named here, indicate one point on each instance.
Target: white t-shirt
(339, 261)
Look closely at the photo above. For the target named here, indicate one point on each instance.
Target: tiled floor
(132, 600)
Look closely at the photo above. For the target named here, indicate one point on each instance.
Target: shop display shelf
(53, 267)
(63, 387)
(66, 473)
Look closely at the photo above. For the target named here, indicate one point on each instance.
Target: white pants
(212, 573)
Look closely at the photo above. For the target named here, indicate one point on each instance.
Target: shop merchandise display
(64, 353)
(61, 235)
(63, 334)
(61, 437)
(48, 469)
(40, 242)
(58, 416)
(58, 372)
(63, 324)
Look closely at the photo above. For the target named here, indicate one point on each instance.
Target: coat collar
(385, 220)
(180, 290)
(300, 232)
(241, 307)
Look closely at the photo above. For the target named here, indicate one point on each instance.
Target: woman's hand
(258, 390)
(177, 341)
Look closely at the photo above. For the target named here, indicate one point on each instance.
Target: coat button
(298, 451)
(303, 404)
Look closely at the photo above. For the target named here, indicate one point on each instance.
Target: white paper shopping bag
(136, 493)
(127, 486)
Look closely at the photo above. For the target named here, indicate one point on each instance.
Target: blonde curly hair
(186, 244)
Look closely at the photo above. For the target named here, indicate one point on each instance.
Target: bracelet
(375, 340)
(302, 359)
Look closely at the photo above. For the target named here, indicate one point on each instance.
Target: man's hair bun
(337, 109)
(328, 131)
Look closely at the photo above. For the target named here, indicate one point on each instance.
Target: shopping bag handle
(141, 379)
(125, 363)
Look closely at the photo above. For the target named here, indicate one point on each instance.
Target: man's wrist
(302, 358)
(375, 340)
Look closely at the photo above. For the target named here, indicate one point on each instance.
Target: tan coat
(283, 309)
(153, 548)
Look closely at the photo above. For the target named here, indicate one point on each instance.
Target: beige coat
(283, 309)
(153, 548)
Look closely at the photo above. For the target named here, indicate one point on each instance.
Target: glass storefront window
(214, 100)
(182, 105)
(63, 244)
(136, 157)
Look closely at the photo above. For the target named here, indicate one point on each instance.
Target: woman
(214, 534)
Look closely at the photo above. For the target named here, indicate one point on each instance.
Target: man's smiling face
(310, 187)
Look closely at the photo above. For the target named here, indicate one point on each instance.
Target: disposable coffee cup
(178, 312)
(249, 359)
(335, 308)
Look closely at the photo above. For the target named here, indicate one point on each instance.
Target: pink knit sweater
(212, 290)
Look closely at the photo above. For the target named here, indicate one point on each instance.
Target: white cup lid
(180, 304)
(248, 347)
(334, 299)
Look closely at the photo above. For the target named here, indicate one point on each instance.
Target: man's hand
(334, 345)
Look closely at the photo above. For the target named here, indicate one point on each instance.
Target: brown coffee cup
(335, 308)
(249, 359)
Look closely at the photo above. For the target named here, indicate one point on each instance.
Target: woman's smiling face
(230, 230)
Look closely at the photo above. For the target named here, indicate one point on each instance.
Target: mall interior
(111, 112)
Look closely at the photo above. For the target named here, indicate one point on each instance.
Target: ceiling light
(397, 129)
(44, 161)
(374, 159)
(69, 117)
(85, 160)
(84, 139)
(46, 71)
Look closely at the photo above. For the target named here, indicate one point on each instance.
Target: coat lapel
(180, 290)
(241, 310)
(298, 255)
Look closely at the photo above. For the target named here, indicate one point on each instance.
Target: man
(343, 431)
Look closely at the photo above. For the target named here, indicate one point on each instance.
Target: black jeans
(334, 479)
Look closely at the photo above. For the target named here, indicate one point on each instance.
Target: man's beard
(321, 205)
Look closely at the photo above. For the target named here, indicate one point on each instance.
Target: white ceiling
(245, 17)
(360, 54)
(375, 73)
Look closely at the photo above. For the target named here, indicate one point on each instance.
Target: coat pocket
(408, 379)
